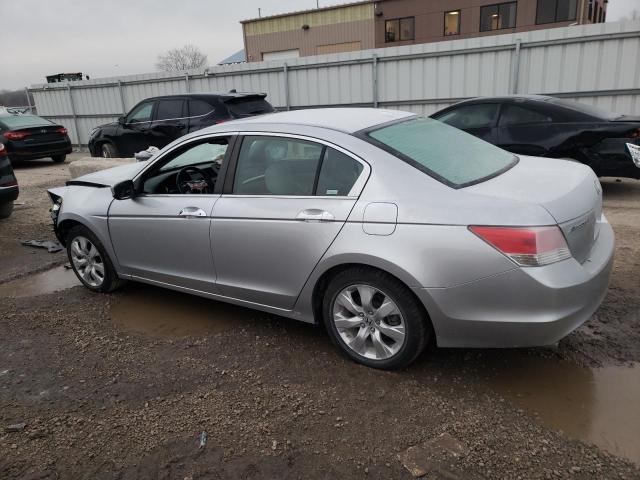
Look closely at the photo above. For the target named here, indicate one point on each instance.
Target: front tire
(90, 261)
(375, 319)
(6, 209)
(107, 150)
(59, 158)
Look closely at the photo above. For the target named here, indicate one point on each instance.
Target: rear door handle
(192, 212)
(315, 215)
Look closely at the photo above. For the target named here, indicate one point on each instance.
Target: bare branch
(183, 58)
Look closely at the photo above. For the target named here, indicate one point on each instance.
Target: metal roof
(238, 57)
(310, 10)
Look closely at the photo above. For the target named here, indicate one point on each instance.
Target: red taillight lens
(18, 135)
(222, 120)
(635, 133)
(61, 130)
(527, 246)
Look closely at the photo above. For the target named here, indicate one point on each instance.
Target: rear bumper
(612, 158)
(523, 307)
(8, 194)
(40, 151)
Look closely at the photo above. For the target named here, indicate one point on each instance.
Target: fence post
(374, 68)
(124, 110)
(285, 70)
(515, 67)
(26, 91)
(186, 81)
(75, 116)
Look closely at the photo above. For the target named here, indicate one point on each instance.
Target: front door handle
(192, 212)
(315, 215)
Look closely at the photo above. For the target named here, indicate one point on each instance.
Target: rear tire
(108, 150)
(59, 158)
(383, 324)
(6, 209)
(90, 261)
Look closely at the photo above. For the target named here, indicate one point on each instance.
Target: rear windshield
(245, 107)
(452, 156)
(23, 121)
(585, 108)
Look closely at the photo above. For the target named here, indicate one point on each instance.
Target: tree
(183, 58)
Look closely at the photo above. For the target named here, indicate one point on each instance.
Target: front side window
(452, 22)
(497, 17)
(142, 113)
(549, 11)
(289, 166)
(169, 109)
(471, 116)
(399, 29)
(451, 156)
(517, 115)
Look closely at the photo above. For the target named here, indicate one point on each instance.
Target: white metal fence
(597, 64)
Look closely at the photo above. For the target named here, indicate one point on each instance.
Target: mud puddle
(157, 312)
(599, 406)
(49, 281)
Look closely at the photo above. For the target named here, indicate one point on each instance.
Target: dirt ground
(145, 383)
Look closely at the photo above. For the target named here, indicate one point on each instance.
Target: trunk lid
(569, 191)
(42, 134)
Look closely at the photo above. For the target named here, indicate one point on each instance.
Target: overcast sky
(117, 37)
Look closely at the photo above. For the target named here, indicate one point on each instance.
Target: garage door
(281, 55)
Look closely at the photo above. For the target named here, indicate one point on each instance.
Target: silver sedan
(395, 230)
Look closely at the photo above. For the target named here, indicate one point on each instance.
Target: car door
(163, 235)
(133, 134)
(284, 202)
(201, 114)
(478, 119)
(524, 130)
(170, 122)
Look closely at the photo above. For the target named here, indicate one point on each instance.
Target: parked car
(28, 137)
(156, 122)
(8, 184)
(552, 127)
(393, 229)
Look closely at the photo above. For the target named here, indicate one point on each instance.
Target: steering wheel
(187, 181)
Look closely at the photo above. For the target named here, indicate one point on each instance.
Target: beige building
(386, 23)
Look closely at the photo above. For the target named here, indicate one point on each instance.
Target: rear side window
(471, 116)
(245, 107)
(23, 121)
(517, 115)
(448, 154)
(338, 173)
(169, 109)
(276, 166)
(198, 108)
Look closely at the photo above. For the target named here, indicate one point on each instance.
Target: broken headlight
(55, 210)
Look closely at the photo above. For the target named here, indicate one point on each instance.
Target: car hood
(110, 176)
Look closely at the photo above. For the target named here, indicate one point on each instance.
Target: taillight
(222, 120)
(61, 130)
(2, 149)
(16, 135)
(526, 246)
(635, 133)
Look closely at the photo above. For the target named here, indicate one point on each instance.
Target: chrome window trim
(358, 185)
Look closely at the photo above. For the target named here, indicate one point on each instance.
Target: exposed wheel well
(63, 228)
(325, 278)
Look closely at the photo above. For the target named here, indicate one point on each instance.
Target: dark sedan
(156, 122)
(27, 137)
(8, 184)
(552, 127)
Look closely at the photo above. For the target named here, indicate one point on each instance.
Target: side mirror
(121, 120)
(124, 190)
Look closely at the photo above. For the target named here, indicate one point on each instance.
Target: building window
(399, 29)
(550, 11)
(452, 22)
(497, 17)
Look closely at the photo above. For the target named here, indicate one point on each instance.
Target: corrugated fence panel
(595, 64)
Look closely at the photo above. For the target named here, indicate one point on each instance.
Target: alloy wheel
(87, 261)
(369, 322)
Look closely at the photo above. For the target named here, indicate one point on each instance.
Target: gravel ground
(101, 400)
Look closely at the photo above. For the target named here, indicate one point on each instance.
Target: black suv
(160, 120)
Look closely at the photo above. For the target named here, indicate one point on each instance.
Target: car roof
(348, 120)
(210, 95)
